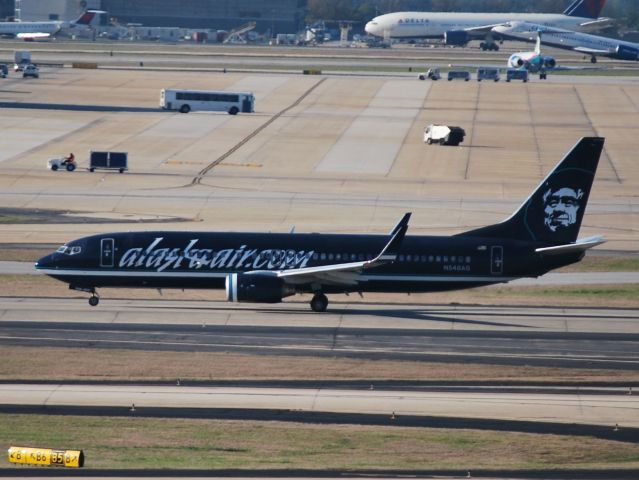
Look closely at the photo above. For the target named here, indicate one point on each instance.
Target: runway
(551, 337)
(594, 409)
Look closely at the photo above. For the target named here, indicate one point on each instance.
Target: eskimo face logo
(561, 207)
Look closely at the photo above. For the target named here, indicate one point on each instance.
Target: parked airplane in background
(266, 267)
(534, 62)
(459, 28)
(592, 45)
(43, 30)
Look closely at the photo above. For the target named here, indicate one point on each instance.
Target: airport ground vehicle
(30, 71)
(459, 74)
(4, 70)
(431, 74)
(22, 58)
(444, 135)
(62, 162)
(517, 74)
(488, 73)
(186, 101)
(108, 161)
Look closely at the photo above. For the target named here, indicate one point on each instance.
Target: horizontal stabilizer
(578, 246)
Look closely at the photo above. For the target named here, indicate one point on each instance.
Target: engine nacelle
(550, 62)
(256, 288)
(516, 61)
(626, 53)
(456, 37)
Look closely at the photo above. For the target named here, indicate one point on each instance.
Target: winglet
(389, 253)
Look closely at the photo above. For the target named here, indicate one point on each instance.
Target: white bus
(187, 100)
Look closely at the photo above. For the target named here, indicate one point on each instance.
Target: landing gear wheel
(94, 300)
(319, 302)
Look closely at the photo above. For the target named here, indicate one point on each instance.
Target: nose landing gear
(94, 299)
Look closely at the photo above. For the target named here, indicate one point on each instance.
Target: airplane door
(496, 260)
(107, 252)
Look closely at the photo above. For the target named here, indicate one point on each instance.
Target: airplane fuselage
(436, 24)
(205, 259)
(15, 28)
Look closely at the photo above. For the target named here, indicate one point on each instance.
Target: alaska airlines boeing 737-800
(458, 28)
(267, 267)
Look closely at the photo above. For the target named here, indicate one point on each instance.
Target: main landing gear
(319, 302)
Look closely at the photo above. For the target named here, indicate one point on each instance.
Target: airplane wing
(578, 246)
(593, 51)
(347, 273)
(598, 24)
(482, 30)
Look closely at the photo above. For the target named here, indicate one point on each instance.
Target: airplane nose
(370, 28)
(45, 262)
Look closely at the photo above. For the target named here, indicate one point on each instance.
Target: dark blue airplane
(267, 267)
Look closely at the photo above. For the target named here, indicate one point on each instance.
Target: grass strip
(150, 443)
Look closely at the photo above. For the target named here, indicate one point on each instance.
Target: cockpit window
(67, 250)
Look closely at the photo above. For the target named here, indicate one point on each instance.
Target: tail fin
(553, 213)
(89, 18)
(585, 8)
(538, 44)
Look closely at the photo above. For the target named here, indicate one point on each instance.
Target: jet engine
(256, 288)
(456, 37)
(549, 62)
(623, 52)
(516, 61)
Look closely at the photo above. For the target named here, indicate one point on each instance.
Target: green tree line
(626, 12)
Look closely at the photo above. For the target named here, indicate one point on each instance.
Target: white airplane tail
(538, 44)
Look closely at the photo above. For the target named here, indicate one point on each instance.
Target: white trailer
(444, 135)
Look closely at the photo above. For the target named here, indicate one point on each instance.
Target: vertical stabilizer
(553, 213)
(585, 8)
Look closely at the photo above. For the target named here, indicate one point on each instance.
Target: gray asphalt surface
(524, 341)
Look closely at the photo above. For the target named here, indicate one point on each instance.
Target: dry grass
(139, 443)
(605, 296)
(60, 364)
